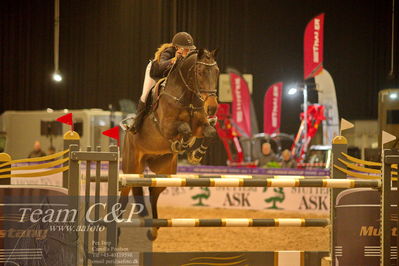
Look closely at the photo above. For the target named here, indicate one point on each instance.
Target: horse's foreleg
(210, 132)
(196, 155)
(186, 142)
(185, 130)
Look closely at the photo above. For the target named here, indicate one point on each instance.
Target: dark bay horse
(179, 115)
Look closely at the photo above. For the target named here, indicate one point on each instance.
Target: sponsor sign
(254, 198)
(272, 109)
(313, 47)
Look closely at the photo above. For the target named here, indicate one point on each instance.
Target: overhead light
(292, 91)
(57, 77)
(393, 96)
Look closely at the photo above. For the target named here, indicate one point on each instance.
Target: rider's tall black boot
(140, 113)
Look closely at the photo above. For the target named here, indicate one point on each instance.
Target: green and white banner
(287, 199)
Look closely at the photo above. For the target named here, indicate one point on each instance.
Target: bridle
(208, 92)
(197, 91)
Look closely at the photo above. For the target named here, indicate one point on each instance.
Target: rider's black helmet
(183, 40)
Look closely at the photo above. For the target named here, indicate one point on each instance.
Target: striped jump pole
(227, 222)
(126, 180)
(224, 176)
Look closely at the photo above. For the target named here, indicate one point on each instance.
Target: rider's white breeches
(148, 83)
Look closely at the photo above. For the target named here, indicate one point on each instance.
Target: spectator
(37, 150)
(287, 161)
(267, 156)
(51, 150)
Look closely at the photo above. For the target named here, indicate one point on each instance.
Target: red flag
(66, 119)
(313, 47)
(241, 105)
(272, 109)
(112, 133)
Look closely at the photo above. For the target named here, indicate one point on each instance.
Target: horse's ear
(215, 52)
(200, 53)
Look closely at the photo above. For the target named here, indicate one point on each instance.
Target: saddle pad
(156, 91)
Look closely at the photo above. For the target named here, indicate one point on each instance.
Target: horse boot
(212, 120)
(140, 114)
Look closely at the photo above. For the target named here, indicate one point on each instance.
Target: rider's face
(183, 51)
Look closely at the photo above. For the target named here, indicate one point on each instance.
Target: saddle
(155, 93)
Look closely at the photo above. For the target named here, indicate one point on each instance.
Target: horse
(178, 115)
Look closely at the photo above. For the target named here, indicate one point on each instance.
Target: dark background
(105, 46)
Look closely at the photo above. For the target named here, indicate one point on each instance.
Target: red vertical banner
(313, 47)
(223, 110)
(272, 108)
(241, 105)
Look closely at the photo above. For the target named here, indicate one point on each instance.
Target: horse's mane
(183, 63)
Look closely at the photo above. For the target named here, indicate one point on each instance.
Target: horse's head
(207, 76)
(200, 74)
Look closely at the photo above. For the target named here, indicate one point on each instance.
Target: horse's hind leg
(154, 195)
(132, 163)
(138, 199)
(138, 196)
(138, 193)
(167, 164)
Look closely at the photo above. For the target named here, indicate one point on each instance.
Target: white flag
(386, 137)
(345, 124)
(327, 97)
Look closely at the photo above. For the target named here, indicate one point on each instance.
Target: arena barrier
(114, 183)
(341, 161)
(339, 172)
(30, 254)
(337, 183)
(358, 171)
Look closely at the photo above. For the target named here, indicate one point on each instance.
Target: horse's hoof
(192, 158)
(152, 234)
(176, 147)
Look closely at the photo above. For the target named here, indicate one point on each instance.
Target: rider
(165, 57)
